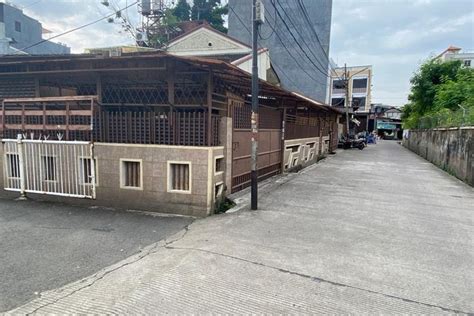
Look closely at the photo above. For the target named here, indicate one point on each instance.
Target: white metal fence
(63, 168)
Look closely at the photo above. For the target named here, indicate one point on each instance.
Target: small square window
(131, 174)
(179, 177)
(85, 169)
(17, 26)
(13, 161)
(467, 63)
(219, 165)
(49, 168)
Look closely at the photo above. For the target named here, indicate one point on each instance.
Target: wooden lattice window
(179, 177)
(131, 175)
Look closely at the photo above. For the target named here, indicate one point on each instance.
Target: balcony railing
(338, 91)
(359, 90)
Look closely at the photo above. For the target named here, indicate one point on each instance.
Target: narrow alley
(374, 231)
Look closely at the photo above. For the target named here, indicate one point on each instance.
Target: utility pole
(256, 20)
(346, 103)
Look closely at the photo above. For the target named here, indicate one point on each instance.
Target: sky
(394, 36)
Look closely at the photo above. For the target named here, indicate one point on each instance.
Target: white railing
(63, 168)
(359, 90)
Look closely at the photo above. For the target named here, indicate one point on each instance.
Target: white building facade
(354, 83)
(456, 53)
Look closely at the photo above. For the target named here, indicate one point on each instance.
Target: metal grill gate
(269, 147)
(63, 168)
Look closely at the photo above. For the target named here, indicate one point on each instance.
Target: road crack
(321, 280)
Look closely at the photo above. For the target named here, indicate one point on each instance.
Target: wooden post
(3, 118)
(98, 88)
(170, 79)
(23, 119)
(209, 109)
(44, 116)
(67, 121)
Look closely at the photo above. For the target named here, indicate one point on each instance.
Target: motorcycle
(347, 143)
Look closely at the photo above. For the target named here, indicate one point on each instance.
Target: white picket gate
(63, 168)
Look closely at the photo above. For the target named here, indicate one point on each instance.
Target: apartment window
(13, 161)
(49, 168)
(179, 177)
(359, 83)
(338, 84)
(17, 26)
(219, 165)
(131, 174)
(85, 168)
(358, 102)
(338, 102)
(467, 63)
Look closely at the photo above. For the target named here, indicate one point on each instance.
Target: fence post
(93, 175)
(21, 162)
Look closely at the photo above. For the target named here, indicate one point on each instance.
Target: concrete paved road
(373, 231)
(44, 246)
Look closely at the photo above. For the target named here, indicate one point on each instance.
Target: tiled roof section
(227, 72)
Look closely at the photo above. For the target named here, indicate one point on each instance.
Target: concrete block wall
(303, 152)
(154, 193)
(452, 149)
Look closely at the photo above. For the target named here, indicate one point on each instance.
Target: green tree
(211, 11)
(168, 21)
(182, 11)
(425, 81)
(438, 91)
(460, 91)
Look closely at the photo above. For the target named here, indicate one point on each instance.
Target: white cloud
(396, 36)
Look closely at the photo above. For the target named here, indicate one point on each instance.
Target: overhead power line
(79, 27)
(273, 63)
(305, 15)
(300, 27)
(285, 47)
(311, 26)
(296, 41)
(31, 4)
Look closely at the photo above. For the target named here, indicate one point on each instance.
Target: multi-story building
(23, 31)
(286, 21)
(358, 80)
(456, 53)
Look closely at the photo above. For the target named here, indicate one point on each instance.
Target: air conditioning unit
(115, 52)
(141, 37)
